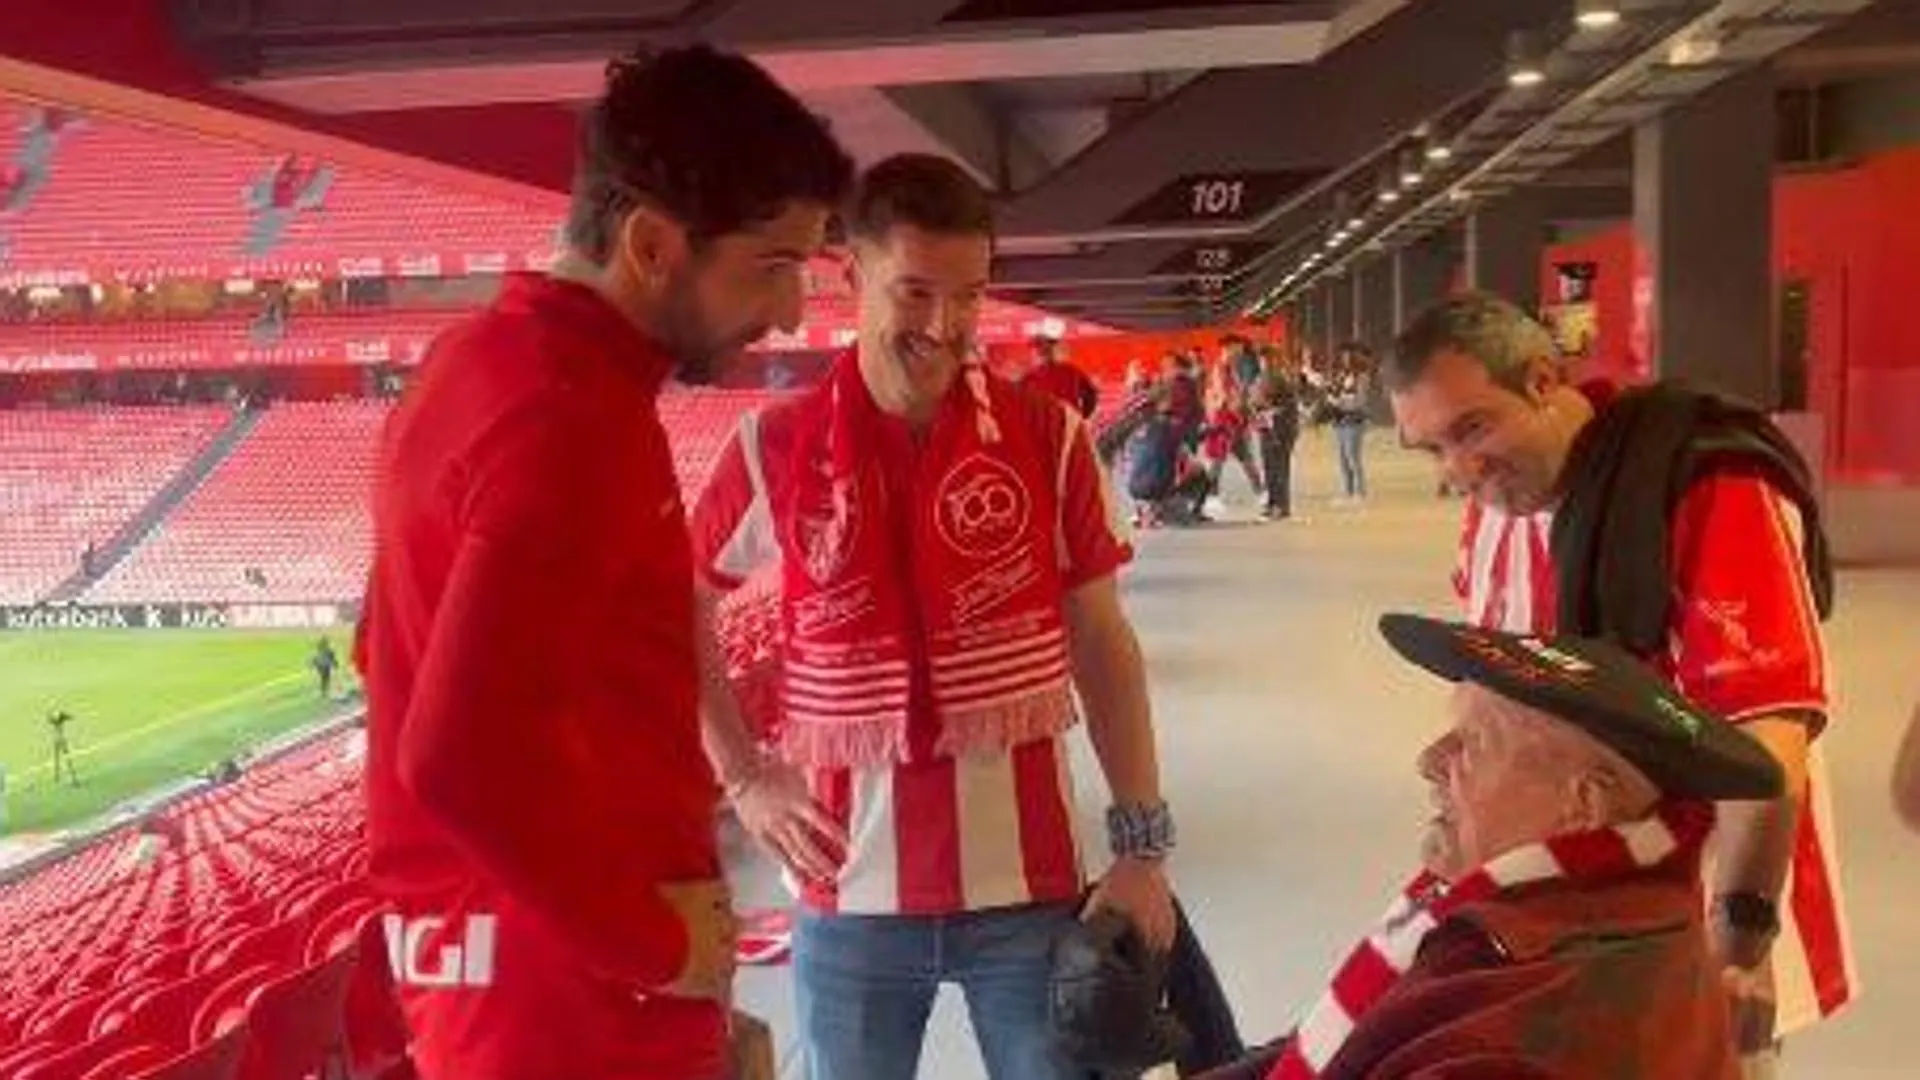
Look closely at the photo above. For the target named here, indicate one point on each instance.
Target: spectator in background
(324, 662)
(1349, 394)
(1906, 774)
(1184, 404)
(1243, 362)
(540, 813)
(1054, 375)
(57, 723)
(1227, 435)
(1164, 482)
(1276, 419)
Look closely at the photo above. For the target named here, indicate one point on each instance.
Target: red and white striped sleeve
(1092, 534)
(731, 525)
(1745, 639)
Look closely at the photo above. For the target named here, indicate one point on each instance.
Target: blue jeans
(1351, 437)
(865, 984)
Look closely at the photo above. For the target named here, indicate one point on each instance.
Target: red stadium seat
(72, 1063)
(16, 1057)
(225, 1007)
(216, 1059)
(130, 1060)
(66, 1020)
(112, 1014)
(295, 1022)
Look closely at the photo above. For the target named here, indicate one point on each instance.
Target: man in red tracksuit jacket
(539, 810)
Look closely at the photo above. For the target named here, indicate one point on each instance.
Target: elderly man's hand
(1138, 889)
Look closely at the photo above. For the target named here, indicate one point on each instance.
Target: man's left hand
(1138, 889)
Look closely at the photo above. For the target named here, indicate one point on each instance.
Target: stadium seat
(129, 1061)
(216, 1059)
(71, 477)
(295, 1022)
(66, 1020)
(73, 1062)
(290, 502)
(225, 1006)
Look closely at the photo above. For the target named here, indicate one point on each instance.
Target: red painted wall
(1853, 235)
(1612, 252)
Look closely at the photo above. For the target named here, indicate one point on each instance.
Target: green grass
(148, 707)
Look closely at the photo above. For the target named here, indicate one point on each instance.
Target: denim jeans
(1351, 438)
(865, 984)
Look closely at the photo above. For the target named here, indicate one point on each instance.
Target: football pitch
(148, 706)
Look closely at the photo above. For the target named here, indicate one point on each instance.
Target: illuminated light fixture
(1346, 212)
(1389, 191)
(1694, 51)
(1459, 195)
(1596, 14)
(1410, 174)
(1438, 152)
(1526, 66)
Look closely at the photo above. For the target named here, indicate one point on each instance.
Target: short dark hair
(1491, 330)
(708, 138)
(923, 190)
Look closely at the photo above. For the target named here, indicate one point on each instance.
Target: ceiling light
(1410, 174)
(1389, 195)
(1438, 151)
(1526, 63)
(1596, 14)
(1356, 221)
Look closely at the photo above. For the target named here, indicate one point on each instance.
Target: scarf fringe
(1001, 727)
(850, 745)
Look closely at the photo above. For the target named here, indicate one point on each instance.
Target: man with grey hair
(1681, 525)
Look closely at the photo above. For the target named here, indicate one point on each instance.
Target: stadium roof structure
(1158, 163)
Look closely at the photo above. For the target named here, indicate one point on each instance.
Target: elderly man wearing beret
(1558, 928)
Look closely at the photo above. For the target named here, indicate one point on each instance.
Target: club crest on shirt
(981, 507)
(825, 534)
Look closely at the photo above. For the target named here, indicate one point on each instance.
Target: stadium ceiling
(1157, 162)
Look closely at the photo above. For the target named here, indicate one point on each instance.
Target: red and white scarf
(974, 592)
(1676, 831)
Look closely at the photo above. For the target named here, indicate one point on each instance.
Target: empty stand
(698, 424)
(155, 946)
(290, 503)
(371, 337)
(96, 212)
(72, 477)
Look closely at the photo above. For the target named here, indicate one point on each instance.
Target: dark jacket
(1555, 980)
(1154, 459)
(1628, 470)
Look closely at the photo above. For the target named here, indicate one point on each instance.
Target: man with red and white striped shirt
(1476, 383)
(947, 556)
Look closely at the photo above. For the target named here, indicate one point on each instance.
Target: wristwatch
(1140, 831)
(1748, 913)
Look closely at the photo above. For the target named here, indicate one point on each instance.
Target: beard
(697, 347)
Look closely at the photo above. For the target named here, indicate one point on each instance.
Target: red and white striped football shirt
(932, 835)
(1745, 641)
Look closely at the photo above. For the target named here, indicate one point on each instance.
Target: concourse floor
(1288, 732)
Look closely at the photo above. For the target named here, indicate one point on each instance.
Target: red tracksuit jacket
(535, 767)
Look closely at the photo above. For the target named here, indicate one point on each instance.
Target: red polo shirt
(534, 768)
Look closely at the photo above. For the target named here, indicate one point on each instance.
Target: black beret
(1107, 998)
(1607, 693)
